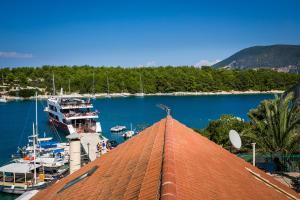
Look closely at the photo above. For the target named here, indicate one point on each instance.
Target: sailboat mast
(107, 81)
(3, 83)
(141, 85)
(93, 82)
(34, 154)
(69, 87)
(53, 84)
(36, 115)
(123, 85)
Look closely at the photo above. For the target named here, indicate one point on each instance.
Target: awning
(18, 167)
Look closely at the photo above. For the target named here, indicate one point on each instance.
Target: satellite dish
(235, 139)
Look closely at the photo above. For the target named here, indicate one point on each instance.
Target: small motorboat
(128, 134)
(118, 128)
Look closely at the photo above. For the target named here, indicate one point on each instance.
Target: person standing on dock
(103, 147)
(99, 148)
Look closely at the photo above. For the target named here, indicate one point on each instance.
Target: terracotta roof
(169, 161)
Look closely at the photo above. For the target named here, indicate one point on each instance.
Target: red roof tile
(168, 161)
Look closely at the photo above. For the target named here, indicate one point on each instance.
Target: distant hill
(280, 57)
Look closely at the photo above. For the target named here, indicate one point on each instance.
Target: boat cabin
(18, 175)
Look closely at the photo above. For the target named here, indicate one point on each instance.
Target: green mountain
(274, 56)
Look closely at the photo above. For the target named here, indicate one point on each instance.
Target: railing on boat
(80, 114)
(80, 105)
(85, 129)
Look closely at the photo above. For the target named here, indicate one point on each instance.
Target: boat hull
(59, 125)
(19, 190)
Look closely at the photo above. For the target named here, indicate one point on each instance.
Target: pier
(89, 142)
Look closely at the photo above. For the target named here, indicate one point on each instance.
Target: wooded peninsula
(88, 79)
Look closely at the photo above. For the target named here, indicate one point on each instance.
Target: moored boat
(128, 134)
(73, 114)
(118, 128)
(18, 178)
(39, 164)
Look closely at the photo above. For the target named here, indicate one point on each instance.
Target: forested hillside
(155, 79)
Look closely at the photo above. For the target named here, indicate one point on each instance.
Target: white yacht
(73, 114)
(76, 116)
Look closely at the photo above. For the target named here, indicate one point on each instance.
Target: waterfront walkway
(89, 142)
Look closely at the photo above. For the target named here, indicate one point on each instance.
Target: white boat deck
(89, 143)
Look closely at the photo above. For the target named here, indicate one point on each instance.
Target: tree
(155, 79)
(276, 125)
(218, 130)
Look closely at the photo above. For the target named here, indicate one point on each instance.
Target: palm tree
(276, 125)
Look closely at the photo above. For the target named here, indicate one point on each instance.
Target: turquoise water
(195, 111)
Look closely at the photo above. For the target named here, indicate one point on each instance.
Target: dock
(89, 143)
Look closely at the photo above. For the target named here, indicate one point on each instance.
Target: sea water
(16, 117)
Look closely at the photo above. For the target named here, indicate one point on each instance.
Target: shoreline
(114, 95)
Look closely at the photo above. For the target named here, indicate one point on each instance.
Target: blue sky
(135, 33)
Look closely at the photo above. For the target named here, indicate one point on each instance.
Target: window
(78, 179)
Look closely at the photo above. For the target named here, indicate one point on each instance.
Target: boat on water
(24, 174)
(128, 134)
(118, 128)
(52, 155)
(73, 114)
(76, 115)
(18, 178)
(36, 170)
(37, 165)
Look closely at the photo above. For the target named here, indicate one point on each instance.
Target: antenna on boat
(53, 84)
(165, 108)
(235, 139)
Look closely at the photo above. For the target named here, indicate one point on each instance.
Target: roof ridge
(168, 176)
